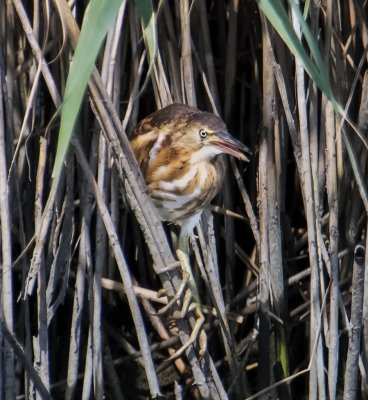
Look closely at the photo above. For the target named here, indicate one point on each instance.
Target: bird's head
(202, 134)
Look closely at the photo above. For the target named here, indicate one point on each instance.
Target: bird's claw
(178, 295)
(186, 305)
(197, 333)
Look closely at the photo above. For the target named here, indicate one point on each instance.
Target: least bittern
(177, 149)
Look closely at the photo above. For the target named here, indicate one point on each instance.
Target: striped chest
(186, 193)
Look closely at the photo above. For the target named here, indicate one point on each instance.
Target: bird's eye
(203, 134)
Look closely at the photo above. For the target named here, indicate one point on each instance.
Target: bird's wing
(142, 144)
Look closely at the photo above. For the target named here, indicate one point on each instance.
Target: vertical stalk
(355, 327)
(100, 259)
(208, 55)
(333, 348)
(275, 148)
(84, 262)
(42, 347)
(316, 375)
(365, 312)
(231, 57)
(186, 54)
(265, 359)
(6, 312)
(88, 371)
(77, 313)
(124, 272)
(264, 278)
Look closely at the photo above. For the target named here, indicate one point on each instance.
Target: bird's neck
(205, 154)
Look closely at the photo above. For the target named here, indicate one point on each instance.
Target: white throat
(205, 153)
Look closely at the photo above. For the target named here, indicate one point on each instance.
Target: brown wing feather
(141, 145)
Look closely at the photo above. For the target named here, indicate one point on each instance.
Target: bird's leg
(197, 332)
(178, 295)
(188, 292)
(190, 301)
(182, 253)
(187, 284)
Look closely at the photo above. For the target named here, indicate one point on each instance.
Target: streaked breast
(189, 193)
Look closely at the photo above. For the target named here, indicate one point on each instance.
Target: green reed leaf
(99, 17)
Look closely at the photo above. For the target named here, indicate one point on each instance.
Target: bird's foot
(177, 297)
(198, 333)
(188, 302)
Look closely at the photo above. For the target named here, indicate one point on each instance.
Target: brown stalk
(296, 241)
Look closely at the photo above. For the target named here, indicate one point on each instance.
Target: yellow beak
(230, 145)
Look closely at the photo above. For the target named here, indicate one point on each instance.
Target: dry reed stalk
(333, 340)
(281, 264)
(355, 326)
(6, 310)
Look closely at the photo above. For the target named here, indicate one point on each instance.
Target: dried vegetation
(280, 264)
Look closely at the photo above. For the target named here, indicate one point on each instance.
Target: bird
(178, 149)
